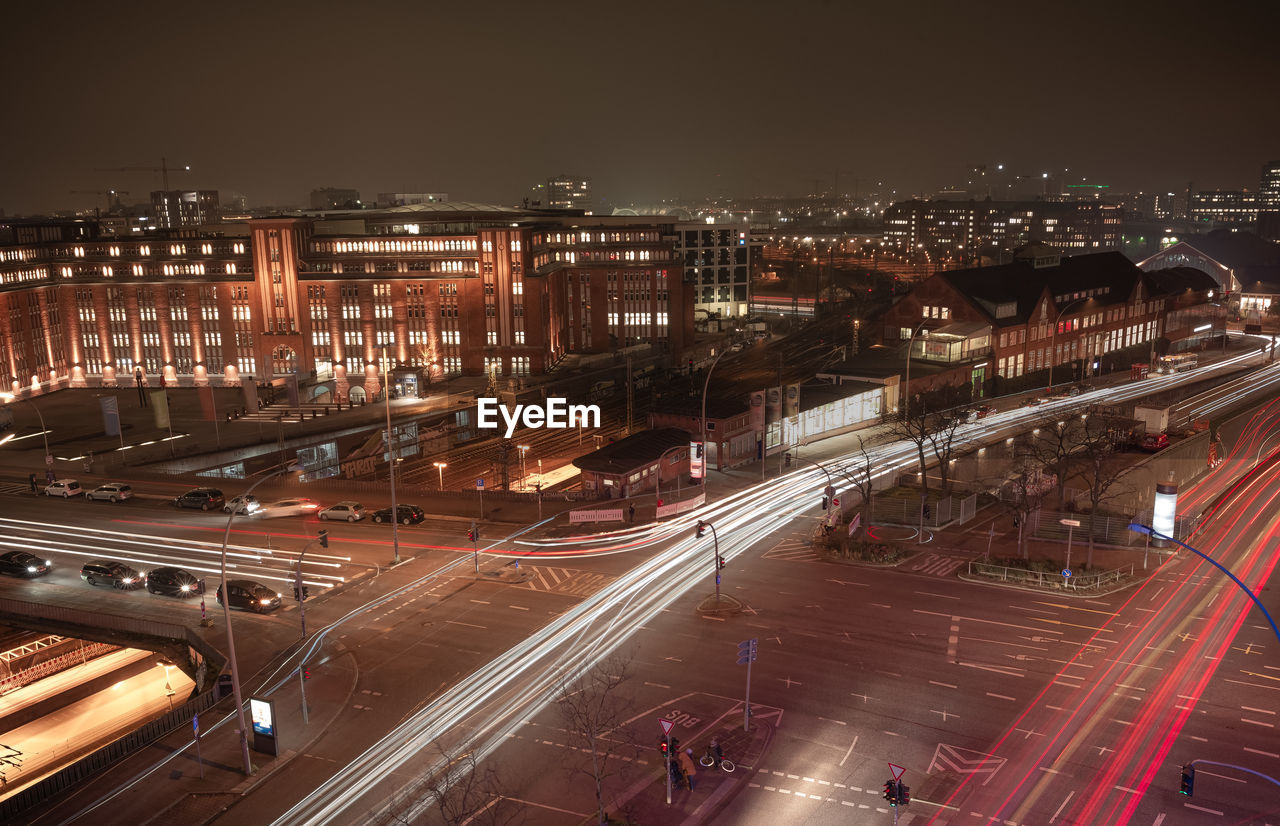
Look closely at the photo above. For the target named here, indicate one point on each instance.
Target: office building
(333, 198)
(448, 289)
(185, 208)
(968, 227)
(1224, 207)
(399, 199)
(569, 192)
(717, 259)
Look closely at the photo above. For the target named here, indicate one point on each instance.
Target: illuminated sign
(264, 721)
(1166, 507)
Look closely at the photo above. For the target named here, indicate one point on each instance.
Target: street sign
(829, 491)
(667, 725)
(1066, 572)
(48, 458)
(897, 770)
(480, 484)
(1070, 523)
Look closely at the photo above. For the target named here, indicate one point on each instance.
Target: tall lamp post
(440, 466)
(1053, 338)
(906, 389)
(226, 615)
(524, 474)
(391, 460)
(705, 383)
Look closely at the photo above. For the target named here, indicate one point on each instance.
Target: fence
(86, 651)
(1049, 579)
(889, 510)
(65, 779)
(1109, 530)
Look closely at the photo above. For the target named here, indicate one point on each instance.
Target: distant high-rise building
(1238, 206)
(395, 199)
(717, 259)
(965, 227)
(185, 208)
(1269, 202)
(569, 192)
(335, 198)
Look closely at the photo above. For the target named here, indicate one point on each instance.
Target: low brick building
(635, 464)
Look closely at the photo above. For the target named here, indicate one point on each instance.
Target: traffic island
(509, 574)
(719, 605)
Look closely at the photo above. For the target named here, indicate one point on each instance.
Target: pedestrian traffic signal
(891, 792)
(904, 794)
(720, 563)
(1188, 780)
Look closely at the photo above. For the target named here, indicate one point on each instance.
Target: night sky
(652, 99)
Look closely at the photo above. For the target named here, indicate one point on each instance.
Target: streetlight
(1053, 339)
(524, 477)
(705, 383)
(906, 390)
(440, 466)
(391, 460)
(1138, 527)
(226, 613)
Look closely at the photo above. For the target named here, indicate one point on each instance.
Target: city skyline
(672, 103)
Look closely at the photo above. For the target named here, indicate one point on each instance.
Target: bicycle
(713, 758)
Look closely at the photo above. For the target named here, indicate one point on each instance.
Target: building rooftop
(636, 451)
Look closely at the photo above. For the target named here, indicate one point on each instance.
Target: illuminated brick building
(449, 289)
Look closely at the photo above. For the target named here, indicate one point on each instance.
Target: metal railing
(1048, 579)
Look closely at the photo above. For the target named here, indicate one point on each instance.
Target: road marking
(518, 607)
(1257, 722)
(1203, 809)
(1258, 710)
(1063, 806)
(1263, 753)
(658, 685)
(837, 722)
(1221, 776)
(480, 601)
(1000, 696)
(939, 596)
(1126, 789)
(467, 624)
(944, 685)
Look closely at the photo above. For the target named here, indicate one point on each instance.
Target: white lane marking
(1000, 696)
(1203, 809)
(1258, 710)
(1063, 806)
(1263, 753)
(1257, 722)
(518, 607)
(944, 685)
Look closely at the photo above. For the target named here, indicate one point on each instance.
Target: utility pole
(630, 395)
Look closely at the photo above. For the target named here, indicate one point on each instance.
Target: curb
(1061, 592)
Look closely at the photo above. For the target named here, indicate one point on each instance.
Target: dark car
(984, 411)
(248, 595)
(21, 563)
(408, 514)
(173, 582)
(115, 574)
(203, 498)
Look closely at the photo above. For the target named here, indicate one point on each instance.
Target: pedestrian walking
(631, 512)
(33, 483)
(686, 763)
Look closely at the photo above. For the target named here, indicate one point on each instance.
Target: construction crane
(163, 169)
(112, 195)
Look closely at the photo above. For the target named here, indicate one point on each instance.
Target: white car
(111, 492)
(287, 507)
(350, 511)
(242, 504)
(64, 488)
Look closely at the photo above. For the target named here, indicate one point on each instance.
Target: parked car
(248, 595)
(984, 411)
(65, 488)
(242, 504)
(350, 511)
(287, 507)
(408, 514)
(115, 574)
(202, 498)
(23, 564)
(1032, 401)
(111, 491)
(1154, 441)
(173, 582)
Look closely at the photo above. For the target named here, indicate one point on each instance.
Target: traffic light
(788, 458)
(471, 535)
(904, 794)
(825, 502)
(891, 792)
(1188, 780)
(306, 673)
(662, 745)
(702, 528)
(324, 539)
(698, 451)
(659, 503)
(720, 563)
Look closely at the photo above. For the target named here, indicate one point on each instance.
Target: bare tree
(458, 790)
(593, 708)
(1024, 494)
(859, 473)
(929, 422)
(1096, 470)
(1050, 447)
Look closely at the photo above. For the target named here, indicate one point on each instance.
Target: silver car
(111, 492)
(349, 511)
